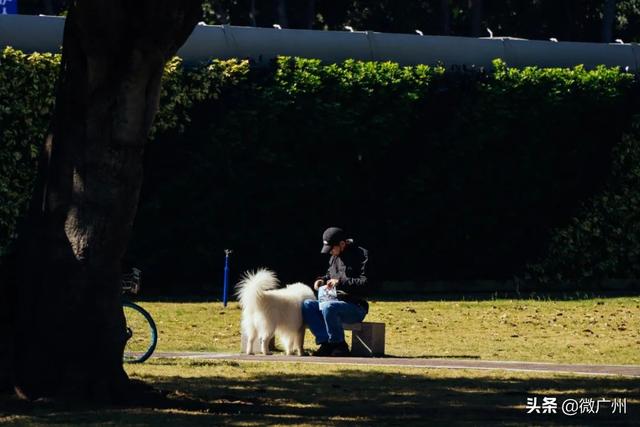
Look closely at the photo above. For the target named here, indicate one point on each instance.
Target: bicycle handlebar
(131, 281)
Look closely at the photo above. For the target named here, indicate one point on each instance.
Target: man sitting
(340, 293)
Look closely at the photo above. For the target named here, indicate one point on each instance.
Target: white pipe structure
(44, 34)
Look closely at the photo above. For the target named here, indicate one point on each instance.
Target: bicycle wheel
(142, 335)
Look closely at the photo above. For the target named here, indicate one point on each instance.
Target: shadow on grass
(348, 397)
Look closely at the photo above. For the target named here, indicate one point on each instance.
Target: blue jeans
(325, 319)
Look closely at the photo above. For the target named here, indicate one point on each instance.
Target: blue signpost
(227, 252)
(8, 7)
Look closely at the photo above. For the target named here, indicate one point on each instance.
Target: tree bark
(608, 18)
(69, 325)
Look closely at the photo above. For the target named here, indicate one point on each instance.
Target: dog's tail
(254, 284)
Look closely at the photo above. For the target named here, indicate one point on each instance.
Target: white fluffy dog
(267, 310)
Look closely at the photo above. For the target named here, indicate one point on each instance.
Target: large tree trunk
(608, 18)
(69, 328)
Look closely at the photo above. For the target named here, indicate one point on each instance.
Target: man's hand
(318, 283)
(332, 283)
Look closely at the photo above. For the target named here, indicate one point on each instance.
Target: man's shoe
(340, 349)
(325, 349)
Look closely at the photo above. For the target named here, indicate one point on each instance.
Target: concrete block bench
(367, 339)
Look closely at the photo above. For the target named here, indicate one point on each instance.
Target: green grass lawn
(249, 393)
(268, 393)
(605, 331)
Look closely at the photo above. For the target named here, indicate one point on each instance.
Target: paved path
(624, 370)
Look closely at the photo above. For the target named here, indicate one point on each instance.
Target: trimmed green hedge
(27, 97)
(441, 174)
(26, 103)
(603, 240)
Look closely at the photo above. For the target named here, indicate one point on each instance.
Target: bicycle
(141, 332)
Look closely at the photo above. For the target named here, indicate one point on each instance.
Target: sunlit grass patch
(600, 330)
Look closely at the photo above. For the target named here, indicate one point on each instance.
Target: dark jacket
(350, 268)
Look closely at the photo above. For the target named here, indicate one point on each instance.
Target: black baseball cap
(331, 237)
